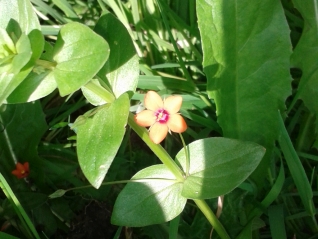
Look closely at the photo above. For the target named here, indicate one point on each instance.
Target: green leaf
(151, 201)
(16, 69)
(21, 128)
(20, 11)
(296, 169)
(305, 56)
(218, 165)
(33, 87)
(99, 138)
(79, 53)
(246, 50)
(122, 68)
(39, 82)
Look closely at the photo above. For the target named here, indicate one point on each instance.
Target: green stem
(46, 64)
(209, 214)
(186, 151)
(121, 182)
(165, 158)
(100, 91)
(160, 152)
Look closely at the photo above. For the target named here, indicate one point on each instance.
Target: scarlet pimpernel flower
(161, 115)
(22, 170)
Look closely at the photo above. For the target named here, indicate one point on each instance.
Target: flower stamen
(162, 116)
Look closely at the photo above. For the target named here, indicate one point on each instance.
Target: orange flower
(161, 116)
(22, 170)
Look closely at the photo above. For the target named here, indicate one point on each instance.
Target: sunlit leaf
(99, 138)
(79, 53)
(246, 50)
(218, 165)
(151, 201)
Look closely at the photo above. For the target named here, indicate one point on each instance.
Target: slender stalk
(100, 91)
(121, 182)
(209, 214)
(46, 64)
(186, 151)
(160, 152)
(166, 159)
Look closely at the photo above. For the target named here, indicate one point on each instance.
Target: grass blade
(296, 169)
(25, 220)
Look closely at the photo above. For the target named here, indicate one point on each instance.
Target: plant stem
(100, 91)
(120, 182)
(209, 214)
(160, 152)
(165, 158)
(46, 64)
(186, 151)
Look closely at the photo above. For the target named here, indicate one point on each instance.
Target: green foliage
(248, 82)
(74, 65)
(217, 166)
(230, 62)
(99, 138)
(305, 55)
(156, 200)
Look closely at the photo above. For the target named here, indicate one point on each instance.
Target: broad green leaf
(151, 201)
(20, 11)
(218, 165)
(305, 55)
(79, 53)
(21, 128)
(246, 49)
(122, 68)
(33, 87)
(99, 138)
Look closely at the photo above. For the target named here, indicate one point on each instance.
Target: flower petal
(16, 173)
(173, 104)
(177, 124)
(26, 166)
(158, 132)
(19, 166)
(153, 101)
(145, 118)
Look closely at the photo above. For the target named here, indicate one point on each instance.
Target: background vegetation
(245, 71)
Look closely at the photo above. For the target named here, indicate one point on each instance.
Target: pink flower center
(162, 116)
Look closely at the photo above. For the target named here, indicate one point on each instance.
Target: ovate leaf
(218, 165)
(79, 53)
(151, 201)
(99, 138)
